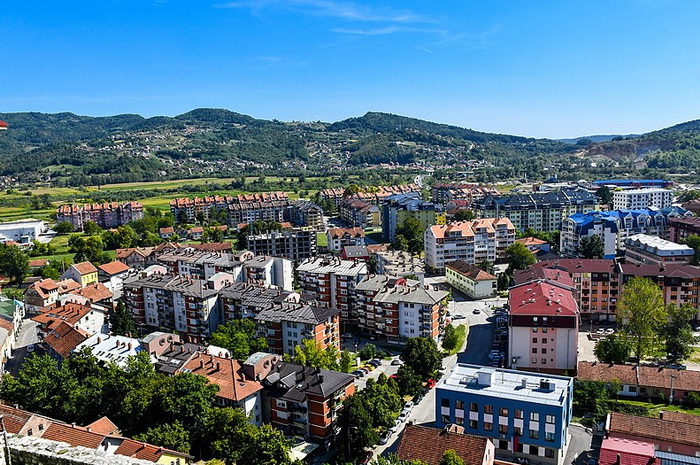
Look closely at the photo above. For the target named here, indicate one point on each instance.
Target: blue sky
(538, 68)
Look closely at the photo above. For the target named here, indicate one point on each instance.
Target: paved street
(580, 443)
(27, 336)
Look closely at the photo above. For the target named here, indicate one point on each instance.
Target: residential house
(46, 292)
(355, 252)
(112, 275)
(428, 444)
(111, 348)
(471, 280)
(83, 273)
(166, 233)
(678, 437)
(534, 245)
(525, 415)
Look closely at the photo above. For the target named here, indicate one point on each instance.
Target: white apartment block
(635, 199)
(473, 242)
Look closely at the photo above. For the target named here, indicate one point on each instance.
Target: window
(473, 407)
(445, 402)
(534, 350)
(633, 388)
(544, 351)
(503, 429)
(544, 361)
(534, 450)
(459, 404)
(544, 330)
(518, 414)
(446, 419)
(488, 409)
(488, 426)
(534, 416)
(534, 434)
(534, 340)
(549, 437)
(548, 452)
(534, 330)
(549, 419)
(459, 421)
(534, 320)
(503, 445)
(472, 424)
(534, 360)
(503, 412)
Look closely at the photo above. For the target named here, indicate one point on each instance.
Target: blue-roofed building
(633, 183)
(615, 226)
(525, 415)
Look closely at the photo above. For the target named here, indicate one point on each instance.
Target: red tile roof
(114, 267)
(103, 426)
(226, 373)
(471, 271)
(541, 298)
(71, 313)
(645, 376)
(63, 338)
(15, 419)
(85, 268)
(630, 452)
(553, 274)
(38, 262)
(681, 417)
(580, 265)
(73, 436)
(337, 233)
(653, 429)
(428, 444)
(95, 292)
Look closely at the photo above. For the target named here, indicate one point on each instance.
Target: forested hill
(68, 149)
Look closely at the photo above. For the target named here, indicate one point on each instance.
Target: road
(476, 350)
(27, 336)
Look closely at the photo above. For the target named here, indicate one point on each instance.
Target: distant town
(435, 323)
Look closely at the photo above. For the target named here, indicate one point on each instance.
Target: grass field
(321, 239)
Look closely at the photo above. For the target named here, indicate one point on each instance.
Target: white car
(404, 416)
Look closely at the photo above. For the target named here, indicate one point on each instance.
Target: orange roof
(469, 228)
(167, 230)
(14, 418)
(95, 292)
(38, 262)
(67, 285)
(114, 267)
(73, 436)
(70, 313)
(427, 444)
(471, 271)
(143, 451)
(531, 241)
(103, 426)
(85, 268)
(45, 286)
(63, 338)
(226, 373)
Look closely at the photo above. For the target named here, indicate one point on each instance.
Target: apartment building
(614, 227)
(400, 263)
(287, 324)
(245, 300)
(343, 237)
(525, 415)
(360, 213)
(633, 183)
(682, 228)
(187, 305)
(634, 199)
(331, 281)
(202, 264)
(470, 241)
(680, 284)
(270, 271)
(398, 208)
(643, 249)
(246, 213)
(542, 211)
(106, 215)
(186, 208)
(304, 401)
(307, 214)
(397, 308)
(445, 192)
(371, 194)
(294, 244)
(543, 327)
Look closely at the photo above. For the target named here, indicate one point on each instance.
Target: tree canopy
(239, 337)
(641, 312)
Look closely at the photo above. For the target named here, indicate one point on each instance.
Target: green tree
(64, 227)
(464, 215)
(400, 243)
(213, 235)
(423, 356)
(678, 334)
(613, 349)
(149, 239)
(519, 257)
(309, 353)
(450, 457)
(449, 339)
(172, 436)
(693, 241)
(591, 247)
(605, 195)
(347, 361)
(240, 338)
(88, 249)
(409, 383)
(642, 314)
(369, 351)
(90, 228)
(412, 230)
(14, 263)
(122, 321)
(49, 272)
(394, 459)
(592, 397)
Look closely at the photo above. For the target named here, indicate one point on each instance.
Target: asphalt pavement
(27, 337)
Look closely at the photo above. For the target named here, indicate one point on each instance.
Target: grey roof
(306, 313)
(200, 257)
(176, 357)
(188, 286)
(294, 382)
(324, 265)
(258, 262)
(412, 294)
(253, 295)
(538, 199)
(377, 282)
(355, 251)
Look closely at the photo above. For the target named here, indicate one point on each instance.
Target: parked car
(30, 348)
(375, 363)
(476, 311)
(358, 373)
(384, 438)
(430, 383)
(365, 458)
(403, 416)
(396, 362)
(408, 405)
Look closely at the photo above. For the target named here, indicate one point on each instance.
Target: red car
(430, 383)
